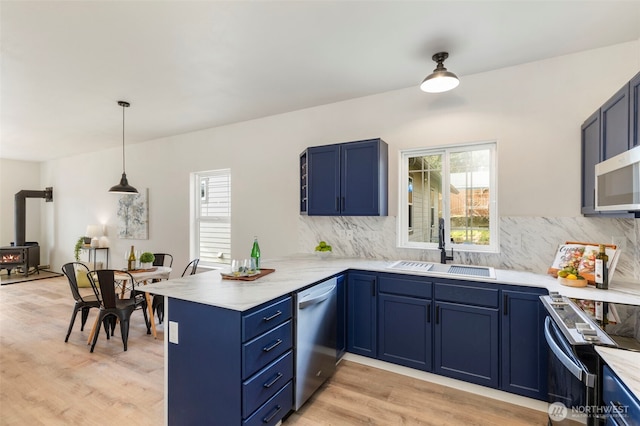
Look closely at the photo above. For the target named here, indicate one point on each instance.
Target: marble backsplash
(526, 243)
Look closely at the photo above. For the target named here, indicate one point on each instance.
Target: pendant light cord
(123, 166)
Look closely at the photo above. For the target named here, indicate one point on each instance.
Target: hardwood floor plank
(45, 381)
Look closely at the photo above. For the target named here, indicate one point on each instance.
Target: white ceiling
(187, 65)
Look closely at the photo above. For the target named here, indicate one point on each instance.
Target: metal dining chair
(112, 307)
(158, 301)
(83, 303)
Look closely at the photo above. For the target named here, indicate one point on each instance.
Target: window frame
(197, 198)
(403, 230)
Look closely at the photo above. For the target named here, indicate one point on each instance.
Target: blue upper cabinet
(348, 179)
(614, 124)
(323, 180)
(590, 133)
(634, 111)
(611, 130)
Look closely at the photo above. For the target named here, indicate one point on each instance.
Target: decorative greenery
(147, 257)
(77, 248)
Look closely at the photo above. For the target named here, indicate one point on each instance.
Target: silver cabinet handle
(268, 348)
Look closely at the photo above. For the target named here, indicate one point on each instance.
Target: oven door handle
(569, 363)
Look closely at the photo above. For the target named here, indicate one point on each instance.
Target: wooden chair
(83, 303)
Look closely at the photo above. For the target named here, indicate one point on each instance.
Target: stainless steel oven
(574, 366)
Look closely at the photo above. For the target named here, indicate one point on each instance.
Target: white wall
(534, 111)
(16, 176)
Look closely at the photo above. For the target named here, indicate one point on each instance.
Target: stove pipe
(21, 207)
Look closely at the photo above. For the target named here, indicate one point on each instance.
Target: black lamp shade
(123, 187)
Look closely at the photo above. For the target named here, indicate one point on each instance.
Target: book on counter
(582, 256)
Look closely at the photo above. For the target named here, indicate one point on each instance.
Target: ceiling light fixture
(440, 80)
(123, 187)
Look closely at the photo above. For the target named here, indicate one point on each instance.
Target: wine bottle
(255, 253)
(131, 263)
(601, 269)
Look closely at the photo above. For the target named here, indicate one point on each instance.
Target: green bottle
(255, 254)
(601, 269)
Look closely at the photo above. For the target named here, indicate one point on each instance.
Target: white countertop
(625, 365)
(296, 272)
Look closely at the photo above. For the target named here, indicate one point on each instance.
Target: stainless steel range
(575, 369)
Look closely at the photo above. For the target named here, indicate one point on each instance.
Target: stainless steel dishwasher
(316, 315)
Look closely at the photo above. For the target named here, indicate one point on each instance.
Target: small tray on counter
(262, 273)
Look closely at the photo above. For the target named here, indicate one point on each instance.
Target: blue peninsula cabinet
(346, 179)
(236, 371)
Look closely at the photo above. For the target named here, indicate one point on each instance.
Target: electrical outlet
(620, 242)
(173, 332)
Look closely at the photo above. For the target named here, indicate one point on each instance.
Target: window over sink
(457, 183)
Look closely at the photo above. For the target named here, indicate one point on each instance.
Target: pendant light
(123, 187)
(440, 80)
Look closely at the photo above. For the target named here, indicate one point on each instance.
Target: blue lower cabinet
(361, 314)
(523, 360)
(274, 409)
(621, 405)
(404, 331)
(341, 332)
(263, 385)
(228, 367)
(466, 343)
(265, 348)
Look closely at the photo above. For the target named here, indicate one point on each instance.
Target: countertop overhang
(297, 272)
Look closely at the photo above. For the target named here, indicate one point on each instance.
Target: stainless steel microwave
(618, 182)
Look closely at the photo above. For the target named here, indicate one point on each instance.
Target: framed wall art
(133, 216)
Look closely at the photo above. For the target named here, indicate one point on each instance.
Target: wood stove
(23, 257)
(21, 254)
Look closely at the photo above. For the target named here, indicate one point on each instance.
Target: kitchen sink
(438, 268)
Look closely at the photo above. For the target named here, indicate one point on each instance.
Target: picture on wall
(133, 216)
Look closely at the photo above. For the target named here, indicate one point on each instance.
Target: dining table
(140, 277)
(144, 277)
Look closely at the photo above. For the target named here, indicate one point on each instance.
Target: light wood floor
(44, 381)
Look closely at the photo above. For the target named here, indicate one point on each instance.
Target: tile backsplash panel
(526, 243)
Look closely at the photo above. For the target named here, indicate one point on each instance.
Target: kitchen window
(457, 183)
(211, 217)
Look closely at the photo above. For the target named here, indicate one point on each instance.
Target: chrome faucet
(441, 245)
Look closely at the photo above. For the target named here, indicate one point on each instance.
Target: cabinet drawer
(265, 348)
(467, 294)
(274, 409)
(264, 384)
(405, 286)
(617, 398)
(265, 318)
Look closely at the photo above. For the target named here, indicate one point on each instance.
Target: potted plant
(77, 248)
(146, 260)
